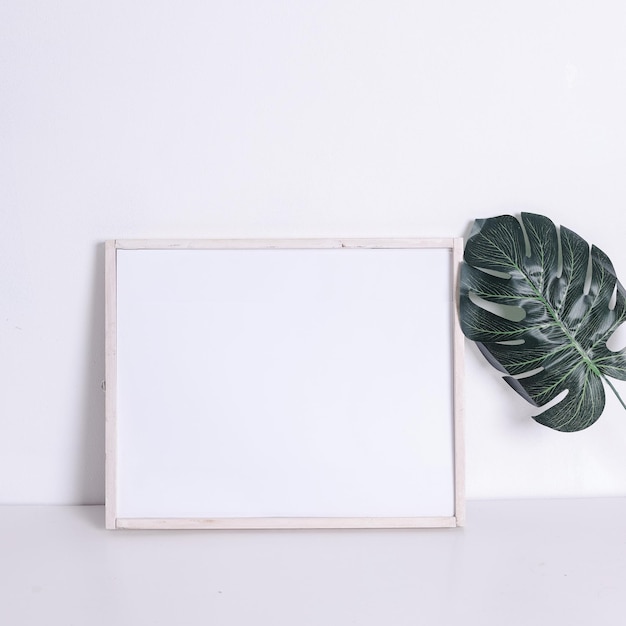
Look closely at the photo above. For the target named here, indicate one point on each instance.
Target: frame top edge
(284, 243)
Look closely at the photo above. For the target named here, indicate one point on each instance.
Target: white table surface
(523, 562)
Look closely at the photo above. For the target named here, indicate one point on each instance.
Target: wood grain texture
(458, 342)
(280, 244)
(285, 523)
(110, 383)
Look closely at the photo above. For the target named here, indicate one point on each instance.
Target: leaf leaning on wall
(528, 301)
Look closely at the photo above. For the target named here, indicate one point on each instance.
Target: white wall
(290, 119)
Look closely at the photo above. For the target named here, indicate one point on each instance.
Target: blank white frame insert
(283, 384)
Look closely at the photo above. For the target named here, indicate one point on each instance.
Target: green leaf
(527, 300)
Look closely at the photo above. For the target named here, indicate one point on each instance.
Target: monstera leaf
(541, 307)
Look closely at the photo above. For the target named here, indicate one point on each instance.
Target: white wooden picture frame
(291, 383)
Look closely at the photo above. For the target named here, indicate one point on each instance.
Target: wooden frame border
(112, 521)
